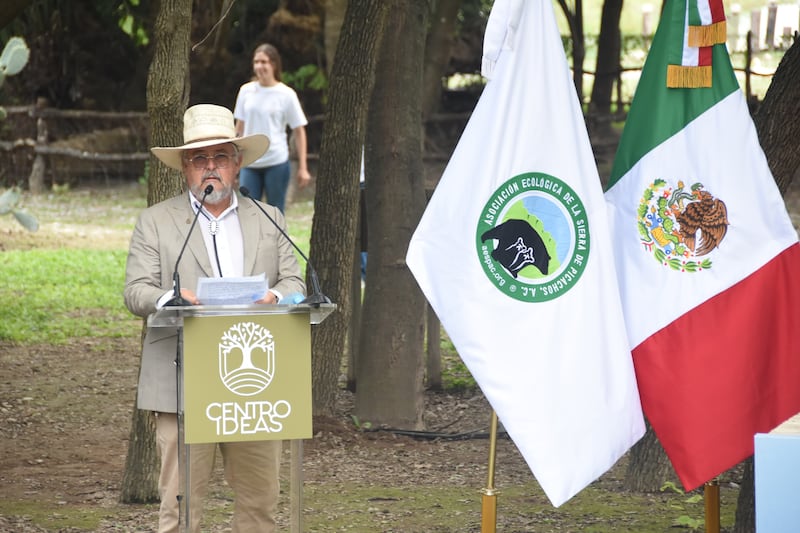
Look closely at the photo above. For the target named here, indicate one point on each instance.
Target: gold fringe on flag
(710, 35)
(681, 77)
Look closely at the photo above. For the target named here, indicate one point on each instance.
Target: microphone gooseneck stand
(177, 301)
(316, 298)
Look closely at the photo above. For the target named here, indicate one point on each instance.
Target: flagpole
(711, 492)
(489, 500)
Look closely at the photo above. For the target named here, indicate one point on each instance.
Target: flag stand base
(489, 511)
(711, 498)
(489, 499)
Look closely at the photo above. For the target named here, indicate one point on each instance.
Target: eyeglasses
(200, 162)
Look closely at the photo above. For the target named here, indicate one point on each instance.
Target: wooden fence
(41, 147)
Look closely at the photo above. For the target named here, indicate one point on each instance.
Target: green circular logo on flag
(533, 237)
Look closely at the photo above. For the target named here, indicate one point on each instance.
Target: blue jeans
(363, 266)
(273, 180)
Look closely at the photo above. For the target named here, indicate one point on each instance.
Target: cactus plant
(14, 57)
(8, 202)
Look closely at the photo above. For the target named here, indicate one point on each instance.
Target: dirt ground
(65, 416)
(65, 411)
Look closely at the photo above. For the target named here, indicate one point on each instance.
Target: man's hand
(269, 298)
(189, 296)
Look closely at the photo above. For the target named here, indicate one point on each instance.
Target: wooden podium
(244, 373)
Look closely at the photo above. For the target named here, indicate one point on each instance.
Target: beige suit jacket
(155, 245)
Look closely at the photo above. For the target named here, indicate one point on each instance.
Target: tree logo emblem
(532, 238)
(246, 358)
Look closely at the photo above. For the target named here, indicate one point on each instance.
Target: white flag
(514, 255)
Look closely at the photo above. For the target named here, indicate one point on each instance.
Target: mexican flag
(706, 254)
(514, 254)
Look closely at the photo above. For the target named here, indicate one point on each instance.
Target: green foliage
(456, 377)
(130, 24)
(472, 15)
(306, 77)
(298, 222)
(633, 43)
(50, 296)
(461, 81)
(373, 504)
(145, 177)
(361, 426)
(684, 520)
(55, 518)
(672, 487)
(128, 15)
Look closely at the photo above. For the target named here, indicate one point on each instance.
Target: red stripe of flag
(717, 10)
(704, 56)
(712, 379)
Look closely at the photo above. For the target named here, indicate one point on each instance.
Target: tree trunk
(745, 504)
(355, 317)
(433, 361)
(334, 17)
(779, 134)
(441, 36)
(608, 50)
(390, 365)
(776, 119)
(648, 465)
(332, 26)
(39, 168)
(578, 50)
(168, 93)
(167, 97)
(438, 48)
(336, 201)
(575, 22)
(140, 479)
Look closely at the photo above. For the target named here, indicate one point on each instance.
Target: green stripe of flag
(658, 112)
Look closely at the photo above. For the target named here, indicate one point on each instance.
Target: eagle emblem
(681, 227)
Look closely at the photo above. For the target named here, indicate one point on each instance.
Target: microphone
(316, 297)
(177, 299)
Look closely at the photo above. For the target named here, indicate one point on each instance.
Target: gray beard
(219, 195)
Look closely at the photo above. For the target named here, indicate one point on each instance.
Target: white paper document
(231, 291)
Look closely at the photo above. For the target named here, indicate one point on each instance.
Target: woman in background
(267, 105)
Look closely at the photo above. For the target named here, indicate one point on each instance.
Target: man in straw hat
(231, 238)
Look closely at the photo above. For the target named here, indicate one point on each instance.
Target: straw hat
(209, 125)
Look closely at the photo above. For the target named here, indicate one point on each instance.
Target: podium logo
(246, 358)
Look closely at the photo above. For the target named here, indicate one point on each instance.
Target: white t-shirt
(269, 110)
